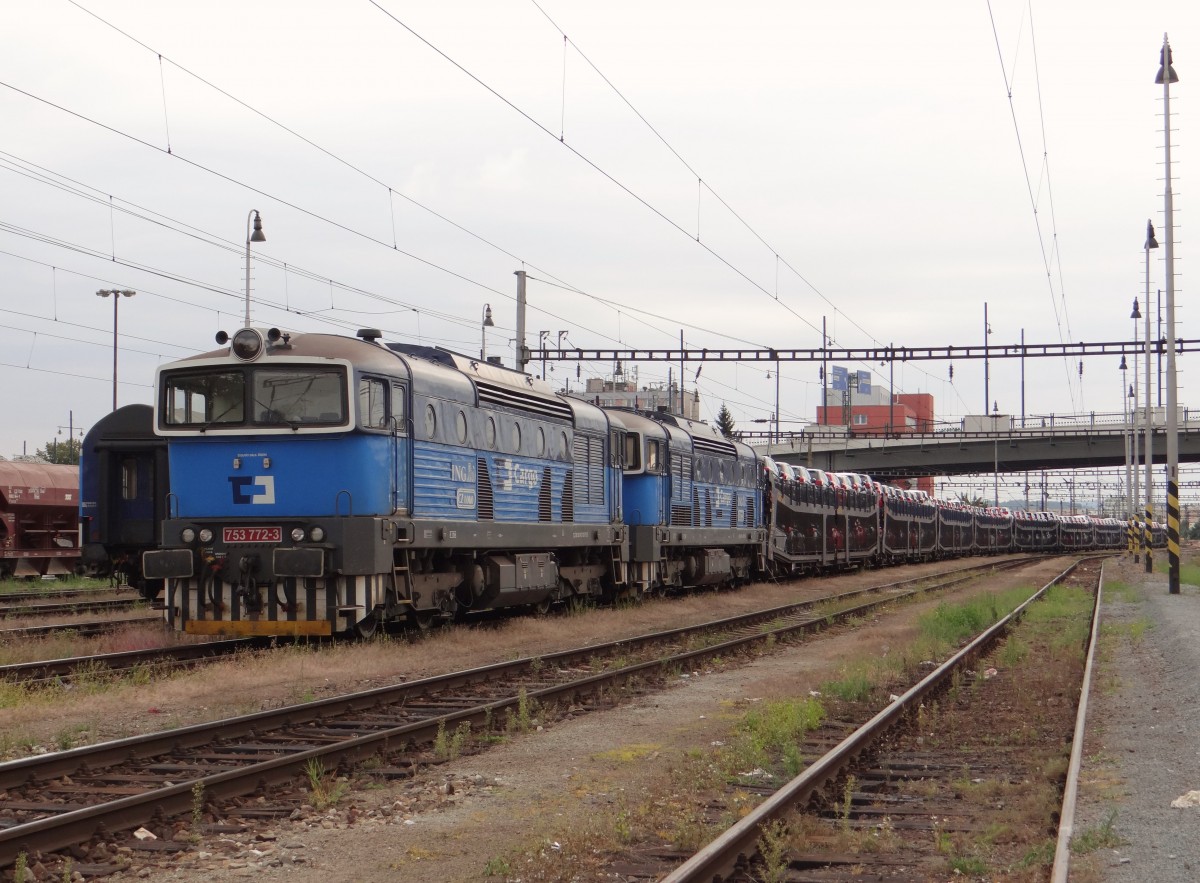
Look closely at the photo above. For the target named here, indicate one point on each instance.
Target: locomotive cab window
(399, 412)
(372, 403)
(203, 398)
(654, 456)
(633, 452)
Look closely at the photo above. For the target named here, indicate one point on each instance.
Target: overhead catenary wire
(160, 58)
(1047, 260)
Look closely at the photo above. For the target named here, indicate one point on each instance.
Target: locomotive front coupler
(247, 584)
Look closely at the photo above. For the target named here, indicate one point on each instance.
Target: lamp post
(1151, 242)
(987, 329)
(116, 294)
(1134, 496)
(1166, 76)
(256, 236)
(487, 323)
(1124, 366)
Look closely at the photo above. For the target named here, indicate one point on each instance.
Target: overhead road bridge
(912, 455)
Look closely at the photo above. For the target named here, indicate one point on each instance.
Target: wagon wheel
(367, 626)
(422, 620)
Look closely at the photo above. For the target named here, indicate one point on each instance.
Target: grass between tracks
(707, 789)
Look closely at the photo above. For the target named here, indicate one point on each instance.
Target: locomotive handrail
(350, 506)
(172, 512)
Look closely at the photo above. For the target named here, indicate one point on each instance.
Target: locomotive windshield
(268, 396)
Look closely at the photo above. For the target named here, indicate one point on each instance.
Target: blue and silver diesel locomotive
(321, 483)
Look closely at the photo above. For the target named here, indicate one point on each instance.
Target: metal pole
(1127, 491)
(1023, 378)
(824, 373)
(891, 391)
(116, 301)
(682, 377)
(776, 401)
(1158, 336)
(116, 294)
(996, 471)
(1148, 554)
(522, 352)
(1166, 75)
(255, 236)
(986, 369)
(1136, 499)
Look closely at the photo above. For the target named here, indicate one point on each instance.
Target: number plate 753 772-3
(252, 534)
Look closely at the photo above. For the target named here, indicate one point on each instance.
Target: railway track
(83, 628)
(66, 608)
(64, 799)
(62, 594)
(893, 775)
(158, 658)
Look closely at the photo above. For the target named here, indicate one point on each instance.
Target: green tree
(976, 501)
(725, 423)
(61, 451)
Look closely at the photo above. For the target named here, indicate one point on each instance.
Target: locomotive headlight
(297, 534)
(187, 535)
(317, 534)
(247, 344)
(206, 535)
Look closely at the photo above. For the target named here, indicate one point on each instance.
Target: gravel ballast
(1143, 745)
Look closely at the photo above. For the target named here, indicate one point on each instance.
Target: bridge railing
(1035, 426)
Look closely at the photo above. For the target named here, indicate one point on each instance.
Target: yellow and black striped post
(1148, 538)
(1129, 522)
(1173, 534)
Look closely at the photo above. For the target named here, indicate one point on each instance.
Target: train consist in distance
(321, 484)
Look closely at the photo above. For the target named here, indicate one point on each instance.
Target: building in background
(618, 393)
(865, 409)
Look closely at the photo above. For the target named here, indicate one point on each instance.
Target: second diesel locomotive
(322, 484)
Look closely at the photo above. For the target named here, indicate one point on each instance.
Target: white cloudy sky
(878, 172)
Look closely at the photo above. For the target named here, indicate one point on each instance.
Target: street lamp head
(1164, 61)
(1137, 313)
(1132, 394)
(487, 316)
(1151, 242)
(258, 235)
(1124, 365)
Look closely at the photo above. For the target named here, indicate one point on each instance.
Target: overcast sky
(736, 171)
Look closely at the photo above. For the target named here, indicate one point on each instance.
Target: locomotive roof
(702, 434)
(435, 370)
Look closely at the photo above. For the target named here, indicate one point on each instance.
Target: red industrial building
(908, 413)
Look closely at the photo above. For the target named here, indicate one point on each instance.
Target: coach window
(372, 403)
(516, 438)
(566, 446)
(460, 427)
(129, 479)
(430, 420)
(541, 442)
(489, 432)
